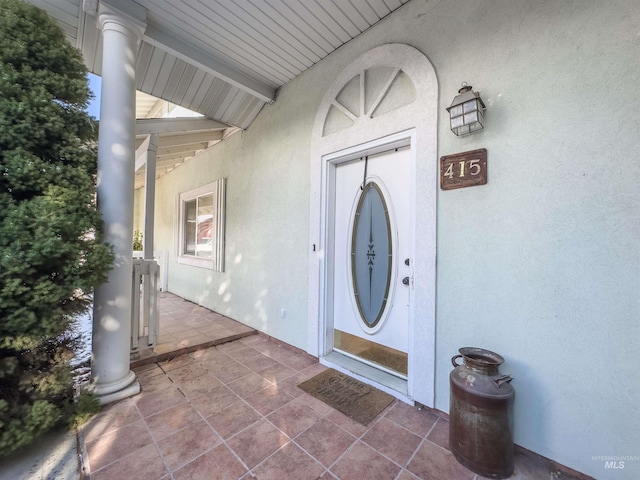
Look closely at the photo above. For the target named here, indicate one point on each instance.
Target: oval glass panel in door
(371, 255)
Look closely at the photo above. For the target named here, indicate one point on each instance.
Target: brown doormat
(355, 399)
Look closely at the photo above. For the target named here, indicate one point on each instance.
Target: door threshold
(384, 381)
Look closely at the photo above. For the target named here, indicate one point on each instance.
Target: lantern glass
(463, 130)
(456, 111)
(478, 124)
(457, 121)
(470, 106)
(470, 118)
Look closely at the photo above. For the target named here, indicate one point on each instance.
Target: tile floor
(234, 411)
(186, 327)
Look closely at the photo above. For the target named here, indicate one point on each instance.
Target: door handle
(405, 281)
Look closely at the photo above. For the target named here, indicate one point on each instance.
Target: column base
(130, 391)
(112, 392)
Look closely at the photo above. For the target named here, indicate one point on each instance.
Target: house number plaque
(465, 169)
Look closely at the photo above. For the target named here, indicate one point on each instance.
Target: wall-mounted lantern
(466, 111)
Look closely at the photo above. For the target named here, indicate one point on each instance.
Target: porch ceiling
(224, 58)
(178, 140)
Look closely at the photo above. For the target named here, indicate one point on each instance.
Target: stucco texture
(540, 265)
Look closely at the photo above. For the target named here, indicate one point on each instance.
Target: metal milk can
(481, 413)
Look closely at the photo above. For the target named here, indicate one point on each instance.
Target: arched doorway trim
(389, 94)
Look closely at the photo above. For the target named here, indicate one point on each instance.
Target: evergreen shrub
(51, 256)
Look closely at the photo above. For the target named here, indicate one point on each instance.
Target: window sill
(196, 262)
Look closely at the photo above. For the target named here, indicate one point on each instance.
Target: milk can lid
(481, 356)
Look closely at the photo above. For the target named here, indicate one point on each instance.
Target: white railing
(145, 320)
(162, 257)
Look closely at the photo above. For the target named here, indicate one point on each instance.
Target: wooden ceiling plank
(147, 126)
(167, 151)
(316, 30)
(261, 36)
(208, 64)
(189, 138)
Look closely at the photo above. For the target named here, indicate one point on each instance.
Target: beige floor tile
(212, 354)
(290, 384)
(269, 399)
(290, 462)
(187, 444)
(318, 405)
(188, 372)
(439, 434)
(325, 441)
(217, 464)
(391, 440)
(115, 445)
(363, 462)
(146, 459)
(407, 476)
(294, 418)
(149, 370)
(249, 384)
(150, 403)
(233, 419)
(257, 442)
(155, 383)
(111, 418)
(259, 362)
(351, 426)
(409, 417)
(214, 401)
(243, 353)
(432, 462)
(229, 372)
(177, 362)
(277, 372)
(172, 420)
(199, 385)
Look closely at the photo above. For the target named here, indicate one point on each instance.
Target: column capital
(125, 17)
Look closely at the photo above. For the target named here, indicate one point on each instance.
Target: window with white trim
(201, 217)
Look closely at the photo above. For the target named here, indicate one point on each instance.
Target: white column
(121, 34)
(149, 197)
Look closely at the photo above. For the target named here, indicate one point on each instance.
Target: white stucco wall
(267, 222)
(540, 265)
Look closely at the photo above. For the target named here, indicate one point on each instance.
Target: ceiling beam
(154, 111)
(166, 167)
(189, 138)
(164, 41)
(175, 148)
(149, 126)
(181, 149)
(142, 149)
(174, 160)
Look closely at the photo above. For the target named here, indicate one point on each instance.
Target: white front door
(372, 264)
(387, 97)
